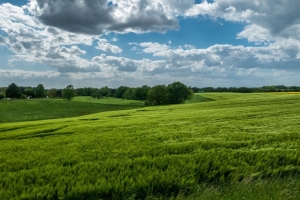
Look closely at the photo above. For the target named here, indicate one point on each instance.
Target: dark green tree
(130, 93)
(105, 91)
(141, 92)
(69, 92)
(52, 92)
(29, 92)
(59, 93)
(121, 91)
(94, 95)
(40, 91)
(2, 96)
(177, 93)
(157, 95)
(13, 91)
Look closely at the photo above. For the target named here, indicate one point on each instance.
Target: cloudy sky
(96, 43)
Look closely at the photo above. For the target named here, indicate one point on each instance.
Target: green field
(39, 109)
(234, 146)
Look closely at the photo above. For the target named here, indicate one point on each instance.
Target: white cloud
(150, 47)
(272, 18)
(257, 34)
(113, 63)
(95, 17)
(281, 55)
(115, 39)
(54, 36)
(105, 46)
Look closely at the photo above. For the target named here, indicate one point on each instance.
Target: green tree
(121, 91)
(157, 95)
(13, 91)
(94, 95)
(141, 92)
(177, 93)
(29, 92)
(2, 96)
(52, 92)
(130, 93)
(105, 91)
(69, 92)
(40, 91)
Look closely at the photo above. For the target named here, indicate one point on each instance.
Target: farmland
(230, 146)
(38, 109)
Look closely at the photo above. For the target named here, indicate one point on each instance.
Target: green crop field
(231, 146)
(38, 109)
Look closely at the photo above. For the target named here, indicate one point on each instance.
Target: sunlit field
(229, 146)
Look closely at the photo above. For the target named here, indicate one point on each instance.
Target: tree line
(15, 92)
(273, 88)
(174, 93)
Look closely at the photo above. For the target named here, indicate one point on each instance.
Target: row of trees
(174, 93)
(15, 92)
(139, 93)
(274, 88)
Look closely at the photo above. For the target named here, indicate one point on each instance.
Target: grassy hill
(239, 146)
(39, 109)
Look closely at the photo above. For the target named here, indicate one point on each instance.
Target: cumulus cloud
(150, 47)
(34, 43)
(53, 33)
(278, 55)
(96, 17)
(271, 17)
(2, 40)
(105, 46)
(115, 63)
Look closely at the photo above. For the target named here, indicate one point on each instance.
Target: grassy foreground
(240, 146)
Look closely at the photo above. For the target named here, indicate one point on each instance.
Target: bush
(2, 96)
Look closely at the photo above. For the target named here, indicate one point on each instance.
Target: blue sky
(133, 43)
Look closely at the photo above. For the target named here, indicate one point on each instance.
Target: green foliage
(69, 92)
(130, 93)
(141, 92)
(2, 96)
(105, 91)
(240, 146)
(273, 88)
(178, 93)
(40, 91)
(121, 91)
(157, 95)
(13, 91)
(23, 96)
(175, 93)
(52, 93)
(96, 95)
(29, 92)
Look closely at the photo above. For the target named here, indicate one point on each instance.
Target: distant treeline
(274, 88)
(174, 93)
(141, 93)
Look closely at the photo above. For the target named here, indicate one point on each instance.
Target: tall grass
(237, 147)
